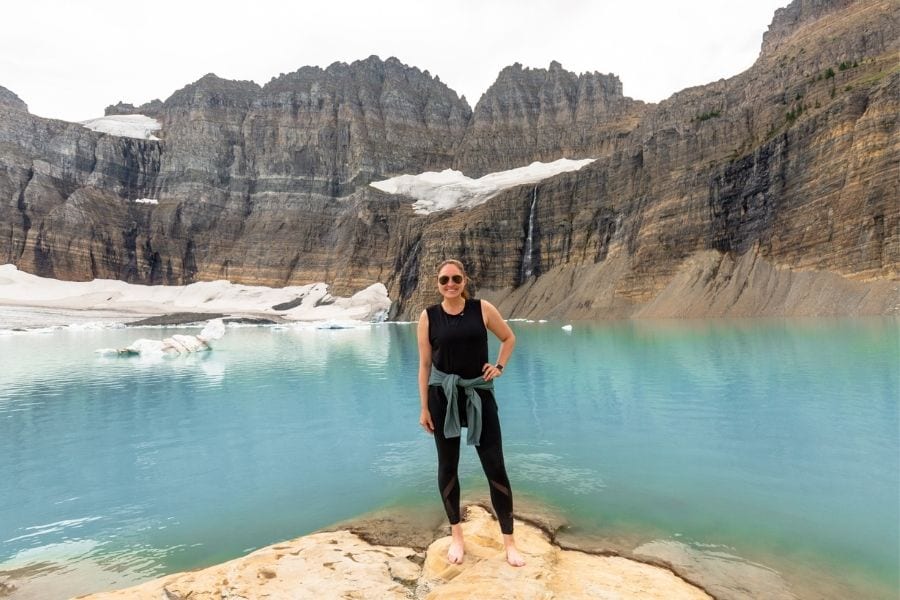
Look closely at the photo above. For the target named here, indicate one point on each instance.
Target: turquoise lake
(773, 445)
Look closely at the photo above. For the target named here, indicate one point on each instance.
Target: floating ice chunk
(133, 126)
(214, 330)
(177, 344)
(567, 328)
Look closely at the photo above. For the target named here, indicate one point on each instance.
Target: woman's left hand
(489, 371)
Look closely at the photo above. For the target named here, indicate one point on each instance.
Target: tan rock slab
(549, 572)
(340, 564)
(335, 564)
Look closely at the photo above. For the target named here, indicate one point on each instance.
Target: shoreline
(382, 530)
(409, 542)
(39, 319)
(58, 316)
(183, 304)
(381, 555)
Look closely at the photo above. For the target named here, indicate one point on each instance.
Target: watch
(499, 366)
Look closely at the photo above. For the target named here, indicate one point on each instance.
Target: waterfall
(527, 258)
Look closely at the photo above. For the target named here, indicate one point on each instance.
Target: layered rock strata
(323, 131)
(789, 166)
(341, 564)
(543, 114)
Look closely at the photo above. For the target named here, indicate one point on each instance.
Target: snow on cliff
(134, 126)
(451, 189)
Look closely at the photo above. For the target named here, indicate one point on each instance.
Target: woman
(455, 390)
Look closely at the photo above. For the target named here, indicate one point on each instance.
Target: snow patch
(308, 303)
(146, 201)
(133, 126)
(451, 189)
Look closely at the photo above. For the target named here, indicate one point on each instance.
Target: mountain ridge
(268, 184)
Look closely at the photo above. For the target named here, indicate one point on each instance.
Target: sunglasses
(444, 279)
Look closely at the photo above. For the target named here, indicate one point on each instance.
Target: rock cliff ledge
(341, 564)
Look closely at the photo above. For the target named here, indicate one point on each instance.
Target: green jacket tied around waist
(448, 383)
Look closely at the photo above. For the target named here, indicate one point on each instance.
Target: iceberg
(177, 344)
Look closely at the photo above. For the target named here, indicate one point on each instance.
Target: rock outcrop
(789, 166)
(341, 564)
(150, 109)
(10, 101)
(543, 114)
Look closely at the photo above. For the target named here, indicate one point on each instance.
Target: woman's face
(451, 282)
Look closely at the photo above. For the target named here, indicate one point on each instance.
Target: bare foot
(513, 556)
(456, 552)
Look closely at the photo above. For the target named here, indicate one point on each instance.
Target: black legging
(490, 452)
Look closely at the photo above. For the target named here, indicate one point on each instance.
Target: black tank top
(458, 342)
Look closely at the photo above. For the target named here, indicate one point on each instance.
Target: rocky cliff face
(789, 167)
(542, 114)
(248, 178)
(323, 131)
(62, 185)
(10, 100)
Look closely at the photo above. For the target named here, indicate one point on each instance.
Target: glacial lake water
(763, 447)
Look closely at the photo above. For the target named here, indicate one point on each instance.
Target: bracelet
(499, 366)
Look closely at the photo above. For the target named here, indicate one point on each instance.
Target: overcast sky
(70, 59)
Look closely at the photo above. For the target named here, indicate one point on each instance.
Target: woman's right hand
(425, 420)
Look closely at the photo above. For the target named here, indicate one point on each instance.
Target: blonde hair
(462, 269)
